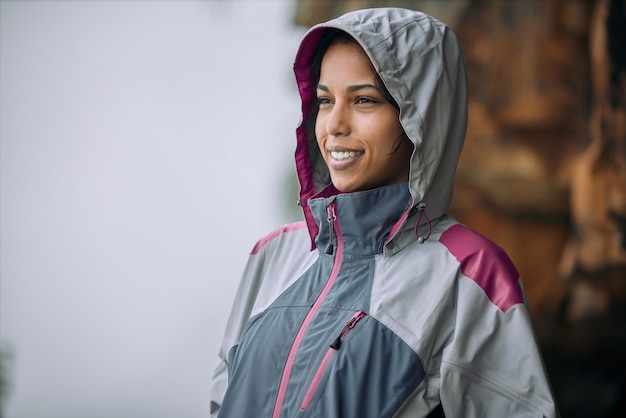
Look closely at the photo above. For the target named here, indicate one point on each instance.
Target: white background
(144, 149)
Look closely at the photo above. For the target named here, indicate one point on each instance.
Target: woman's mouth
(343, 159)
(344, 155)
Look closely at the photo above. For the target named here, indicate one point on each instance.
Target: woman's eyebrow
(351, 89)
(361, 87)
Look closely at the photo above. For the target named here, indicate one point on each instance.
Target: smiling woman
(357, 125)
(378, 269)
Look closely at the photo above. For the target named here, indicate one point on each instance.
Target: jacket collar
(365, 218)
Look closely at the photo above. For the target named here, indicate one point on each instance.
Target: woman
(379, 304)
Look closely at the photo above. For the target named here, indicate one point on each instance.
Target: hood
(420, 62)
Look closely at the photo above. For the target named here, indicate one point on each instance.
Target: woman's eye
(365, 100)
(323, 100)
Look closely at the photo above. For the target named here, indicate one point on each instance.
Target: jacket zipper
(334, 346)
(332, 217)
(282, 388)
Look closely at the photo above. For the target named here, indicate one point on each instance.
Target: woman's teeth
(343, 155)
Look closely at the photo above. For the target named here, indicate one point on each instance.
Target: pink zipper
(282, 388)
(334, 346)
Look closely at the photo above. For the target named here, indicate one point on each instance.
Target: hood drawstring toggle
(421, 208)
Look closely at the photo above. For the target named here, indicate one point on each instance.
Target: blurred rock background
(543, 171)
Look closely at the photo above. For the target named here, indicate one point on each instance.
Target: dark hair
(331, 37)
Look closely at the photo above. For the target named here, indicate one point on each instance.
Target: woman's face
(357, 129)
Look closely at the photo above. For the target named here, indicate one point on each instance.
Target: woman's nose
(337, 123)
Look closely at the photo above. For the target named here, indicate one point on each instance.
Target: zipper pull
(350, 323)
(332, 216)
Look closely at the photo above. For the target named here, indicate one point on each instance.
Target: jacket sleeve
(241, 311)
(493, 367)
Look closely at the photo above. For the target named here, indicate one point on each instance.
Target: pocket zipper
(334, 346)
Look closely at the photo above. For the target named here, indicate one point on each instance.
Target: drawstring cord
(421, 208)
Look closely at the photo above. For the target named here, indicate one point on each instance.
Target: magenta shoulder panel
(275, 233)
(486, 264)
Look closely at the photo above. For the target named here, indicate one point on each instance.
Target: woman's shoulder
(290, 234)
(486, 263)
(462, 240)
(276, 261)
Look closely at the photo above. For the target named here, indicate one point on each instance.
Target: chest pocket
(367, 372)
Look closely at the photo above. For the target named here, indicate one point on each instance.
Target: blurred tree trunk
(543, 171)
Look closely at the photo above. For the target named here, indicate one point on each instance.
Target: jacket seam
(490, 384)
